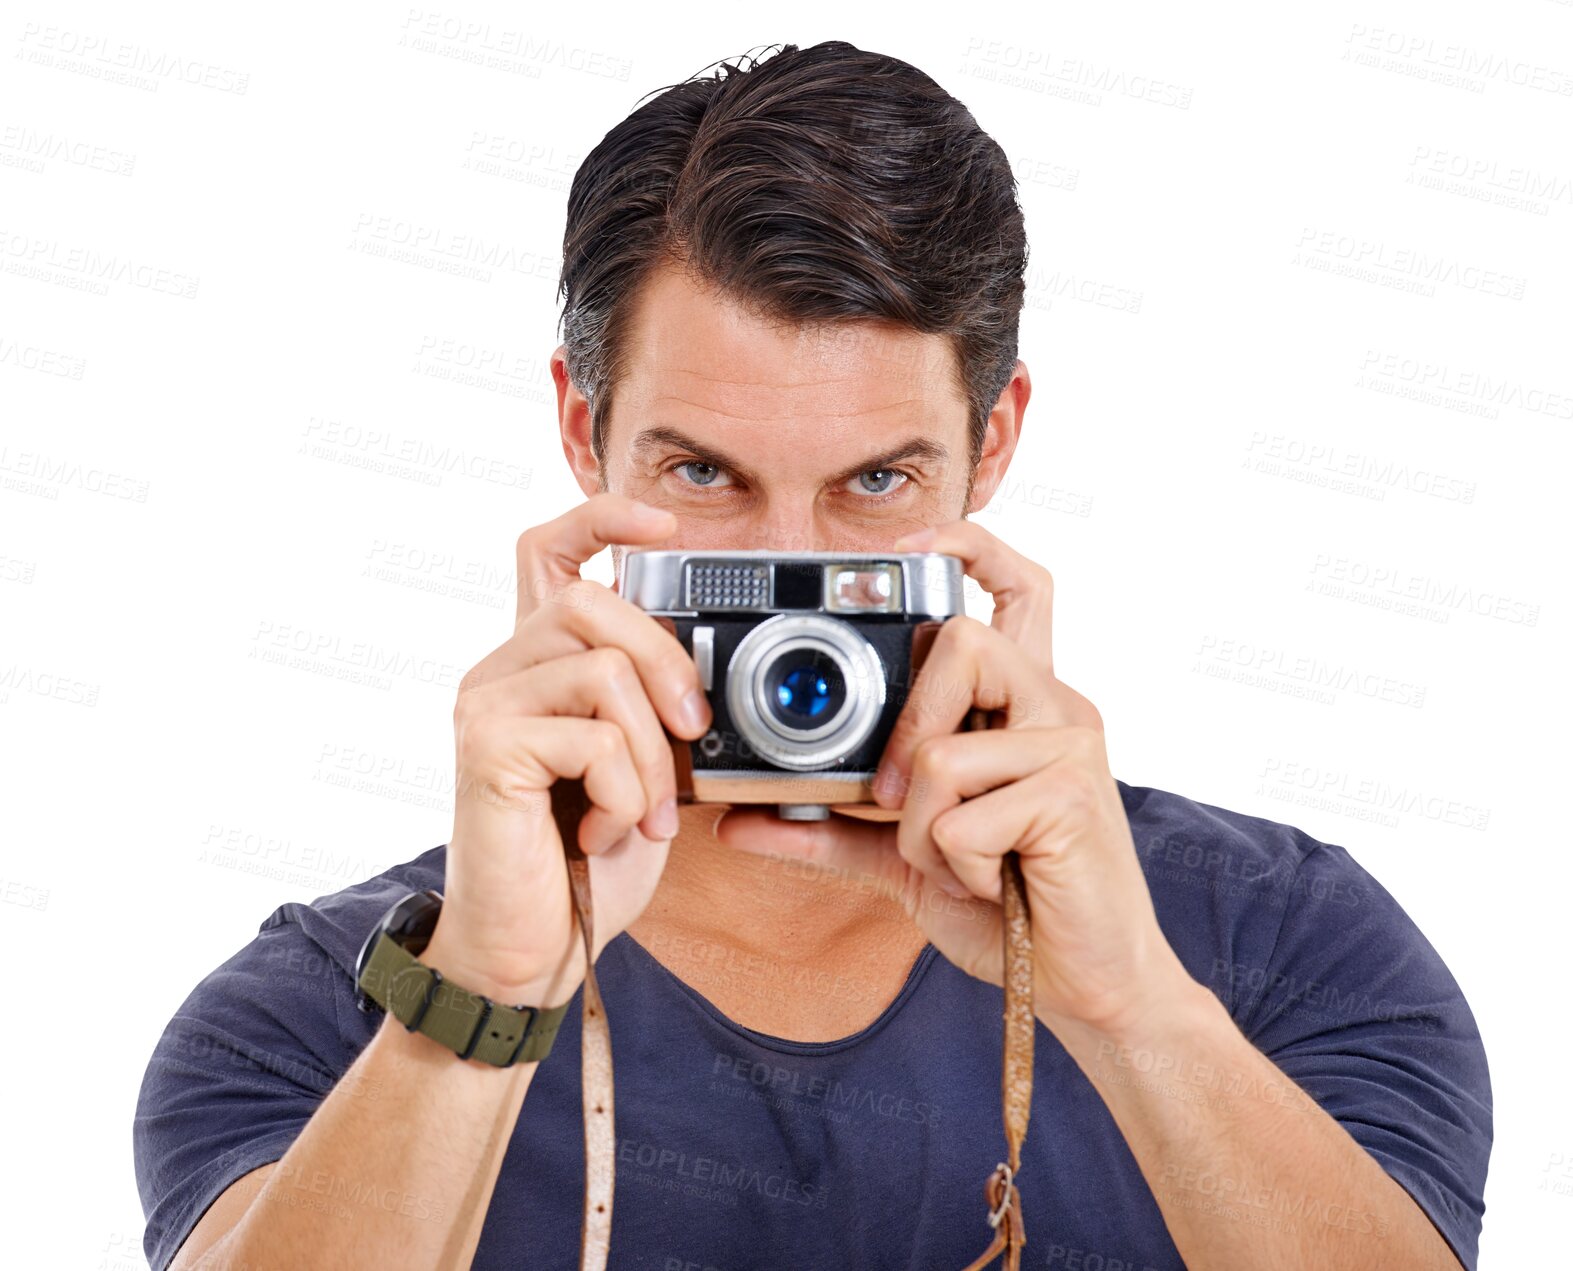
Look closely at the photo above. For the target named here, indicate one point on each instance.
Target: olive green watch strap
(470, 1024)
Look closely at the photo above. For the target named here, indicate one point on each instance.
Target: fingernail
(886, 785)
(665, 820)
(916, 539)
(651, 514)
(692, 709)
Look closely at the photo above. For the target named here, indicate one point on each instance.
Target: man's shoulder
(1164, 815)
(339, 921)
(1185, 844)
(1255, 907)
(1232, 888)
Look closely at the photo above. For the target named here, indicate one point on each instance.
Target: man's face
(783, 438)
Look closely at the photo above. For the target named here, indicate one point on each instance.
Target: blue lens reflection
(804, 692)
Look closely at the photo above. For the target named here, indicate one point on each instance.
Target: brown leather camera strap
(1016, 1079)
(600, 1138)
(569, 803)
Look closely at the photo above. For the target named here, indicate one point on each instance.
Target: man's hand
(1040, 785)
(588, 686)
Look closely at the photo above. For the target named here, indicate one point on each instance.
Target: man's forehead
(692, 342)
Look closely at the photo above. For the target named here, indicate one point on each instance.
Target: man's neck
(780, 946)
(775, 906)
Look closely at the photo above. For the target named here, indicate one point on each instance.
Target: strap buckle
(435, 981)
(431, 989)
(999, 1214)
(529, 1012)
(475, 1037)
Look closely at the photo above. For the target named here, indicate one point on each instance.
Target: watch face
(410, 923)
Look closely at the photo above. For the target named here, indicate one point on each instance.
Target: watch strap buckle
(412, 991)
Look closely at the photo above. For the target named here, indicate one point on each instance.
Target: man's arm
(396, 1168)
(396, 1164)
(1249, 1171)
(1251, 1182)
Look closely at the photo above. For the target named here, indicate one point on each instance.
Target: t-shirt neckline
(784, 1045)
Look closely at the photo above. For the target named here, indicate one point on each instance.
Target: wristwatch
(390, 975)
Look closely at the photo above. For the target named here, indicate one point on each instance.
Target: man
(792, 299)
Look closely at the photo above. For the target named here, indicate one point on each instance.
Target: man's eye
(700, 473)
(879, 481)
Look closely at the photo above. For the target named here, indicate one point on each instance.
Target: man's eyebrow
(912, 448)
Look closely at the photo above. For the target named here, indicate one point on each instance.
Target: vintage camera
(807, 658)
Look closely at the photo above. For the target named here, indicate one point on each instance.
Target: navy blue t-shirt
(740, 1150)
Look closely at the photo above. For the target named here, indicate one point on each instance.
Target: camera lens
(805, 688)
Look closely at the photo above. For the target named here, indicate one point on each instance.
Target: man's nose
(799, 527)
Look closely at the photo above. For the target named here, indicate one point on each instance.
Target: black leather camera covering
(891, 637)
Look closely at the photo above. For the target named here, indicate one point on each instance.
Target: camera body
(806, 657)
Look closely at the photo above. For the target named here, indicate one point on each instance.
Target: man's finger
(602, 683)
(1026, 816)
(1022, 589)
(588, 616)
(968, 665)
(549, 555)
(960, 766)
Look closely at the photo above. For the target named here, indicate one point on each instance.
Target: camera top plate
(695, 581)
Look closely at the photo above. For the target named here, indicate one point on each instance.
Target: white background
(1268, 252)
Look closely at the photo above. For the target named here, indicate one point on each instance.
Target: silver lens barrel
(749, 691)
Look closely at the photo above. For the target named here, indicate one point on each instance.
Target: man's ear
(573, 419)
(1000, 438)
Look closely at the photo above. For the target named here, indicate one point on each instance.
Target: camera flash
(863, 589)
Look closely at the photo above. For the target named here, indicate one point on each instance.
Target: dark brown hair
(817, 186)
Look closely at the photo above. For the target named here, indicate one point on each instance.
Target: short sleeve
(239, 1070)
(1357, 1007)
